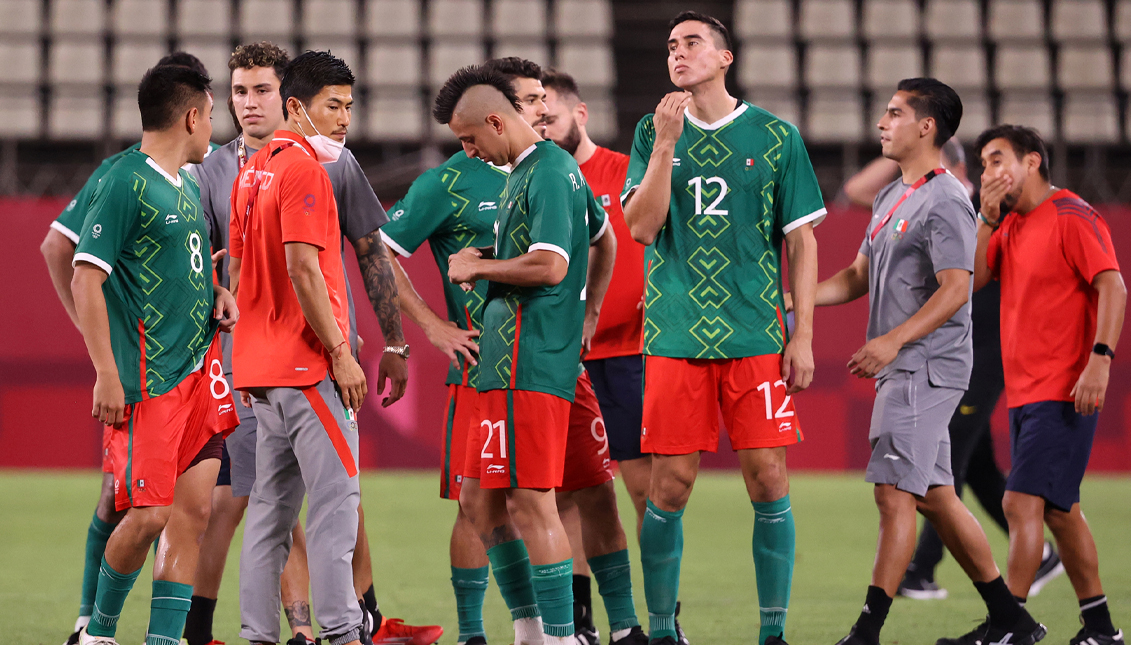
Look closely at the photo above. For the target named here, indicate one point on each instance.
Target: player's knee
(891, 501)
(767, 483)
(671, 492)
(1017, 509)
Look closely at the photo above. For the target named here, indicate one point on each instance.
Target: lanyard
(253, 189)
(907, 193)
(241, 152)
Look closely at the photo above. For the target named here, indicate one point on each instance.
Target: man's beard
(1009, 202)
(572, 139)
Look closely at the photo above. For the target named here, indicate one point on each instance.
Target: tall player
(715, 185)
(149, 311)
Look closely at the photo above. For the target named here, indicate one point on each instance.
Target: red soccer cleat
(394, 631)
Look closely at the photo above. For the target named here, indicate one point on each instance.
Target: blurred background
(69, 71)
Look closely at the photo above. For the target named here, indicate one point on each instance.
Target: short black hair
(260, 54)
(1022, 139)
(184, 59)
(932, 98)
(310, 72)
(166, 91)
(514, 67)
(713, 23)
(463, 80)
(561, 83)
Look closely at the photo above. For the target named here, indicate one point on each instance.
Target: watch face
(405, 354)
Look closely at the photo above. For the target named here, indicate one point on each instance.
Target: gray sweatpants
(296, 454)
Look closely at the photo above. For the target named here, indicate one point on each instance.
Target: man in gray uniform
(916, 262)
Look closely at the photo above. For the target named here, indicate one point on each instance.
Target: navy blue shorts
(618, 383)
(224, 477)
(1050, 444)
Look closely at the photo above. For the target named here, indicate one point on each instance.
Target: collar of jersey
(153, 164)
(524, 155)
(294, 137)
(702, 125)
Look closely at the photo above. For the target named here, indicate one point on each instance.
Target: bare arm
(534, 269)
(1090, 390)
(861, 189)
(234, 275)
(846, 285)
(797, 363)
(58, 251)
(993, 191)
(982, 273)
(380, 285)
(646, 209)
(90, 306)
(602, 258)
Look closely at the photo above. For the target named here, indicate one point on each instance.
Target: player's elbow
(56, 248)
(555, 273)
(641, 234)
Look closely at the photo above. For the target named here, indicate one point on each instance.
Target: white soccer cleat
(87, 639)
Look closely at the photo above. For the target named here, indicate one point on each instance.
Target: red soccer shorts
(107, 462)
(587, 447)
(160, 436)
(521, 438)
(463, 413)
(683, 398)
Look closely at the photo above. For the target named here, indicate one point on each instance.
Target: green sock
(96, 536)
(511, 565)
(614, 583)
(470, 586)
(553, 586)
(774, 538)
(661, 548)
(167, 612)
(113, 587)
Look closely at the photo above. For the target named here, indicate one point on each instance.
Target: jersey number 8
(196, 247)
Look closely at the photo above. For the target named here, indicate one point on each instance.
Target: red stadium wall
(45, 376)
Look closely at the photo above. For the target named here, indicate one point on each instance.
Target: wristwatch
(401, 351)
(1103, 350)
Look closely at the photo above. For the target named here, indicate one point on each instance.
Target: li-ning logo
(224, 408)
(494, 469)
(488, 206)
(785, 426)
(171, 218)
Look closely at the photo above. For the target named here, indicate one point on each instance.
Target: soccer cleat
(681, 638)
(920, 588)
(87, 639)
(851, 639)
(635, 636)
(1028, 633)
(1089, 637)
(775, 640)
(588, 636)
(667, 640)
(474, 640)
(301, 639)
(73, 639)
(1050, 568)
(394, 631)
(972, 637)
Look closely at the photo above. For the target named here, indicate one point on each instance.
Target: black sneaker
(476, 640)
(1088, 637)
(301, 639)
(775, 640)
(73, 639)
(1050, 568)
(681, 638)
(588, 636)
(635, 636)
(852, 639)
(919, 587)
(973, 637)
(1028, 632)
(667, 640)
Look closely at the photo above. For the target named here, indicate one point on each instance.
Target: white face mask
(326, 150)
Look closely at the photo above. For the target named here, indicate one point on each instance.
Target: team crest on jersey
(899, 228)
(749, 164)
(606, 201)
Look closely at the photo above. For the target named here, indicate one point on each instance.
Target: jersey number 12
(698, 182)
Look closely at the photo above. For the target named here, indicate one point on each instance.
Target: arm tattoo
(380, 285)
(298, 614)
(497, 536)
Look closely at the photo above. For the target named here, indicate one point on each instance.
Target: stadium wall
(46, 377)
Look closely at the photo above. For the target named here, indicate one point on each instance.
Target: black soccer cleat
(301, 639)
(667, 640)
(476, 640)
(972, 637)
(1028, 632)
(588, 636)
(853, 639)
(73, 639)
(775, 640)
(681, 638)
(635, 636)
(1089, 637)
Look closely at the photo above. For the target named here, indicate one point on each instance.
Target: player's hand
(797, 365)
(877, 354)
(1091, 387)
(669, 117)
(217, 256)
(461, 267)
(993, 191)
(109, 400)
(350, 379)
(588, 329)
(787, 300)
(225, 310)
(447, 337)
(395, 368)
(245, 398)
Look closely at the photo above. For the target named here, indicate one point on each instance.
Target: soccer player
(715, 185)
(1062, 305)
(293, 360)
(149, 311)
(256, 71)
(915, 262)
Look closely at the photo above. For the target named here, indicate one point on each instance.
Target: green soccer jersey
(713, 286)
(532, 335)
(70, 221)
(146, 231)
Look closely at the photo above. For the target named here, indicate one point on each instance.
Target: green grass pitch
(45, 515)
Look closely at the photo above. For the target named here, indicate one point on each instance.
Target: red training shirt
(273, 345)
(622, 321)
(1046, 261)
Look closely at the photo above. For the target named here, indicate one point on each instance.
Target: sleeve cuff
(393, 245)
(553, 248)
(816, 217)
(600, 233)
(68, 233)
(626, 194)
(96, 261)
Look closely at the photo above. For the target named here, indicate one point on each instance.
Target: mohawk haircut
(184, 59)
(931, 97)
(560, 82)
(310, 72)
(166, 92)
(1023, 140)
(463, 80)
(714, 25)
(261, 54)
(514, 67)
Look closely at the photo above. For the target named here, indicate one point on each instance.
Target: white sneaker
(528, 631)
(87, 639)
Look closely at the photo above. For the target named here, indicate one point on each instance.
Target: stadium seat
(1016, 20)
(76, 61)
(76, 113)
(961, 66)
(891, 19)
(446, 57)
(210, 18)
(763, 19)
(132, 57)
(1091, 118)
(139, 18)
(1123, 20)
(531, 49)
(392, 18)
(953, 20)
(835, 117)
(763, 66)
(976, 117)
(518, 18)
(583, 18)
(389, 63)
(1084, 67)
(215, 54)
(455, 18)
(20, 17)
(832, 66)
(889, 64)
(77, 17)
(395, 117)
(1125, 70)
(1079, 20)
(21, 60)
(1029, 108)
(1022, 67)
(125, 119)
(828, 20)
(602, 125)
(21, 108)
(329, 19)
(266, 19)
(781, 104)
(590, 64)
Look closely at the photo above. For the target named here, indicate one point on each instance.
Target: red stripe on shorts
(332, 428)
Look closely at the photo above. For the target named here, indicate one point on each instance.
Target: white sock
(528, 631)
(619, 634)
(83, 621)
